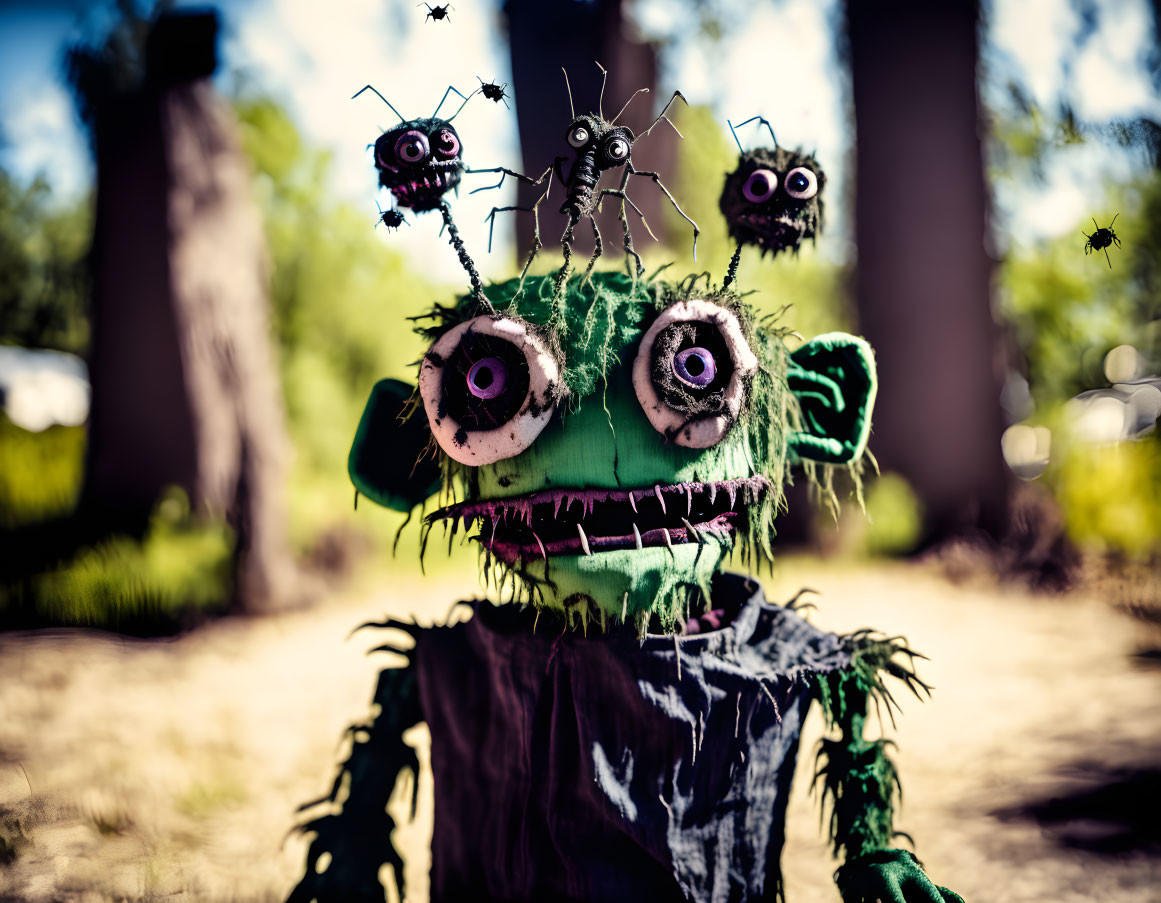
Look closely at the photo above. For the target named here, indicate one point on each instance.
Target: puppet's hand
(889, 876)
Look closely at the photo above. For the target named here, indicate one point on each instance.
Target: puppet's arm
(351, 845)
(860, 782)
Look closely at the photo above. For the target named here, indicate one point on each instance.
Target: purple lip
(550, 523)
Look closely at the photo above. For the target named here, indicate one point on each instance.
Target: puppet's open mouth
(422, 188)
(565, 522)
(773, 231)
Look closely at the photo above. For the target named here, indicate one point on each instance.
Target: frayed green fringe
(357, 837)
(858, 781)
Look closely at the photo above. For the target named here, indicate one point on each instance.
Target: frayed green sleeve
(351, 845)
(857, 778)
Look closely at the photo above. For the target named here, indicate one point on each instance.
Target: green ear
(833, 378)
(385, 462)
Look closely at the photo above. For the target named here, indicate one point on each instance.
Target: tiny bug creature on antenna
(600, 146)
(493, 92)
(391, 218)
(419, 161)
(1101, 239)
(773, 199)
(437, 12)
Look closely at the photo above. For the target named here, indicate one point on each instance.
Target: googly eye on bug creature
(773, 199)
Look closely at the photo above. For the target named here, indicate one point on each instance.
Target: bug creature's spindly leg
(634, 271)
(732, 269)
(562, 274)
(598, 250)
(462, 253)
(661, 115)
(657, 179)
(527, 180)
(1107, 258)
(537, 244)
(534, 209)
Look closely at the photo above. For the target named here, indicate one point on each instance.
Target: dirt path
(171, 770)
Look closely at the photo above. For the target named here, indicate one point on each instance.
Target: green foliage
(1111, 495)
(894, 518)
(43, 279)
(40, 473)
(180, 564)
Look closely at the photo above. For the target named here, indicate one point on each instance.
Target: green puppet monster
(621, 721)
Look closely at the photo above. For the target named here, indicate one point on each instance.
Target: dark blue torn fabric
(607, 768)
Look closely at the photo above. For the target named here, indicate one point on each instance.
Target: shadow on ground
(1098, 808)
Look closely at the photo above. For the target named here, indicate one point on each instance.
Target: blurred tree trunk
(924, 272)
(545, 35)
(185, 390)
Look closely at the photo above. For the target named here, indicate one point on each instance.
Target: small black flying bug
(600, 145)
(437, 12)
(1101, 239)
(773, 199)
(493, 92)
(419, 161)
(391, 218)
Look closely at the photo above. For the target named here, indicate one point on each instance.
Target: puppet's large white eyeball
(578, 136)
(692, 373)
(801, 183)
(489, 386)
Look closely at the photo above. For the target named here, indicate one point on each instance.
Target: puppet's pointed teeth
(668, 539)
(713, 492)
(688, 500)
(632, 501)
(543, 551)
(584, 540)
(732, 488)
(637, 538)
(693, 533)
(657, 492)
(556, 507)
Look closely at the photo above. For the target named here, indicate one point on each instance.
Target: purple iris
(695, 367)
(487, 378)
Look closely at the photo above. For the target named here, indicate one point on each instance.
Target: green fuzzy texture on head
(601, 438)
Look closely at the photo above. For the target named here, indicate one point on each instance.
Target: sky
(313, 57)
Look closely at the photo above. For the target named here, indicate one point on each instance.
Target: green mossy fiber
(857, 778)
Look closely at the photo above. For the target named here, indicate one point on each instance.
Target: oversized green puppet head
(609, 452)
